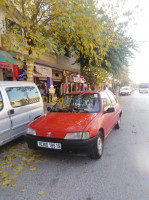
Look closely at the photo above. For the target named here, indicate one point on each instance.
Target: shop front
(42, 77)
(57, 80)
(73, 82)
(6, 66)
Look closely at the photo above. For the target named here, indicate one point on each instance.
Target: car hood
(58, 124)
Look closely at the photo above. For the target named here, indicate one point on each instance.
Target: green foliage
(95, 38)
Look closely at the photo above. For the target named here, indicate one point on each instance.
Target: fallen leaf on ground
(23, 190)
(4, 187)
(64, 160)
(36, 161)
(14, 184)
(80, 166)
(41, 192)
(3, 175)
(30, 159)
(32, 168)
(57, 165)
(47, 159)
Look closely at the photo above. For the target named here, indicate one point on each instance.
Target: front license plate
(49, 145)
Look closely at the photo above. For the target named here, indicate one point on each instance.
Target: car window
(1, 101)
(32, 94)
(112, 97)
(105, 101)
(83, 102)
(17, 96)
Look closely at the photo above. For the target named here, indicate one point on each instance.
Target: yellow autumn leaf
(36, 161)
(64, 160)
(80, 166)
(57, 165)
(30, 159)
(4, 187)
(32, 168)
(14, 184)
(47, 159)
(6, 182)
(23, 190)
(38, 155)
(3, 175)
(41, 192)
(24, 158)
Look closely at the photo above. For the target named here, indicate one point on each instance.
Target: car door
(107, 118)
(35, 105)
(116, 107)
(18, 102)
(5, 122)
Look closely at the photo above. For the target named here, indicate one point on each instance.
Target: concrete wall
(68, 62)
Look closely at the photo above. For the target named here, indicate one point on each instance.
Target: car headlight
(77, 136)
(30, 131)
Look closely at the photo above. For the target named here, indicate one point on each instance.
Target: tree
(59, 26)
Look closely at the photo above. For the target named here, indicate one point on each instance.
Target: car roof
(16, 83)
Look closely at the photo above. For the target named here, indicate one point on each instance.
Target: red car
(79, 122)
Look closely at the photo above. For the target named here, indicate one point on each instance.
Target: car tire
(98, 147)
(118, 125)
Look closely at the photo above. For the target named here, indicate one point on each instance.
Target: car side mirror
(109, 110)
(49, 109)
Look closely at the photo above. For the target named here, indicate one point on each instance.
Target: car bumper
(124, 93)
(76, 146)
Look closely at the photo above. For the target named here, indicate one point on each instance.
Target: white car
(125, 90)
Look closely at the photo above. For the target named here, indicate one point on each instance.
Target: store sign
(78, 80)
(42, 71)
(5, 65)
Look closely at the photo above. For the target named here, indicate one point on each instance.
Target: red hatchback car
(79, 122)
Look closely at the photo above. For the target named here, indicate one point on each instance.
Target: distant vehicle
(79, 123)
(125, 90)
(144, 88)
(20, 104)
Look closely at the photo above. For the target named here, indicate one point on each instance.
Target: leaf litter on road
(12, 161)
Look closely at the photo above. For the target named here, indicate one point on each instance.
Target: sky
(139, 70)
(139, 66)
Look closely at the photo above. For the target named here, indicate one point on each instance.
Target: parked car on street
(125, 91)
(20, 104)
(78, 123)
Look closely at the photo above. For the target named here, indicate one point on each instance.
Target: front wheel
(98, 147)
(118, 125)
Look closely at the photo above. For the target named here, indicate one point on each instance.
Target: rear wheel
(98, 147)
(118, 125)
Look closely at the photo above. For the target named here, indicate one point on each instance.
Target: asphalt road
(121, 174)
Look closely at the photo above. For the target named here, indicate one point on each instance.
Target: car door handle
(10, 112)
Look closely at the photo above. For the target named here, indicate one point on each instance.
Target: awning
(6, 60)
(6, 57)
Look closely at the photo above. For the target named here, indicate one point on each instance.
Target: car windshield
(81, 103)
(144, 85)
(125, 88)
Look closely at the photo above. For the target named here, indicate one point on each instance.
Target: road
(121, 174)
